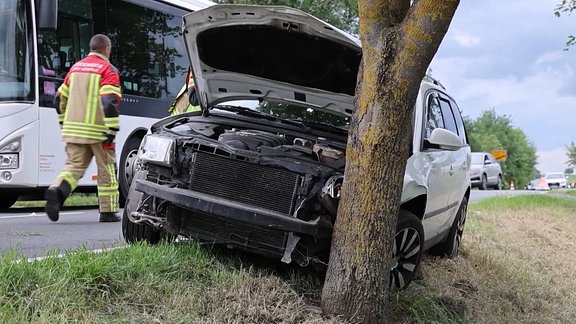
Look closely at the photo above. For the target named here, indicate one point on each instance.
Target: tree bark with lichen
(399, 40)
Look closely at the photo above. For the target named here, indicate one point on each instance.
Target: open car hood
(273, 53)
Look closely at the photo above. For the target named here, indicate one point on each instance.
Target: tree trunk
(399, 42)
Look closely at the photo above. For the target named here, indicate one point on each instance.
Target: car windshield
(307, 115)
(15, 68)
(477, 158)
(555, 176)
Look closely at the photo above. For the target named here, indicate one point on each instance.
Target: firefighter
(87, 106)
(187, 99)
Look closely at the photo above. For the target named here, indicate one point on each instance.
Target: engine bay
(285, 143)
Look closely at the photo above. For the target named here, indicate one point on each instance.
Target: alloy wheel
(407, 252)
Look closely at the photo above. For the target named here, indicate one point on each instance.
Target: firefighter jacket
(186, 100)
(87, 101)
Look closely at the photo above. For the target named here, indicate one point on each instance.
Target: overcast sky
(509, 55)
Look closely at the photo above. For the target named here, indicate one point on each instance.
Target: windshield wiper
(318, 124)
(296, 122)
(244, 111)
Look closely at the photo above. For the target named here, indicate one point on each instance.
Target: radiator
(244, 182)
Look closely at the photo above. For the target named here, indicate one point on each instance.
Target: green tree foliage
(340, 13)
(492, 132)
(536, 174)
(571, 154)
(303, 114)
(566, 7)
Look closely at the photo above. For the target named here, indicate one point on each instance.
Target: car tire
(134, 233)
(128, 166)
(498, 185)
(408, 247)
(450, 246)
(8, 200)
(483, 183)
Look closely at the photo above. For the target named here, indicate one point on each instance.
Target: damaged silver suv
(261, 166)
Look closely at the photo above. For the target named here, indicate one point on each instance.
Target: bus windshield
(15, 63)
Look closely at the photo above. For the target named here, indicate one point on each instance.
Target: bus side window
(72, 58)
(59, 49)
(148, 48)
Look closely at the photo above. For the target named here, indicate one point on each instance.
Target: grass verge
(76, 199)
(515, 266)
(168, 283)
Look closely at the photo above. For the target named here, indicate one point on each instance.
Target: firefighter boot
(109, 217)
(55, 197)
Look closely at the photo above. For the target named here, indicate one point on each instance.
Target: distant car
(532, 184)
(535, 184)
(556, 180)
(485, 171)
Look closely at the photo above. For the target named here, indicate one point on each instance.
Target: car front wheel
(498, 185)
(134, 232)
(128, 166)
(483, 183)
(408, 248)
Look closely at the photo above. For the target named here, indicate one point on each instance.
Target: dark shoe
(53, 203)
(109, 217)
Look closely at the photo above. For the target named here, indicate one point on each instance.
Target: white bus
(39, 42)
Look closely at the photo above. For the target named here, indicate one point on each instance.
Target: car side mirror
(445, 139)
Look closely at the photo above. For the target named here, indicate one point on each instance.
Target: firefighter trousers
(79, 157)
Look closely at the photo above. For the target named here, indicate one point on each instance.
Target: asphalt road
(30, 232)
(477, 195)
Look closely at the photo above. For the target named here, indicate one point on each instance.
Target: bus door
(58, 50)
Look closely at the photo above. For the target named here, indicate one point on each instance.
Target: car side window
(433, 115)
(449, 120)
(492, 159)
(459, 122)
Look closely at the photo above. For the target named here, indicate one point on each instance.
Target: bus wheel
(128, 166)
(7, 200)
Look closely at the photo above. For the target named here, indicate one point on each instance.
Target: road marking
(37, 215)
(61, 255)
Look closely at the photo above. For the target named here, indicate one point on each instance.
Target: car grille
(244, 182)
(220, 229)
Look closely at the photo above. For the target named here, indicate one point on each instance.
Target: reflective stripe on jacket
(181, 103)
(89, 99)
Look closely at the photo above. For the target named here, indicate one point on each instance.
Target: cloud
(552, 160)
(465, 39)
(509, 56)
(548, 58)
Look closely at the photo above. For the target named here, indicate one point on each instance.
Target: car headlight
(158, 150)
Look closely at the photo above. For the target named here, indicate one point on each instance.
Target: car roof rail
(430, 79)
